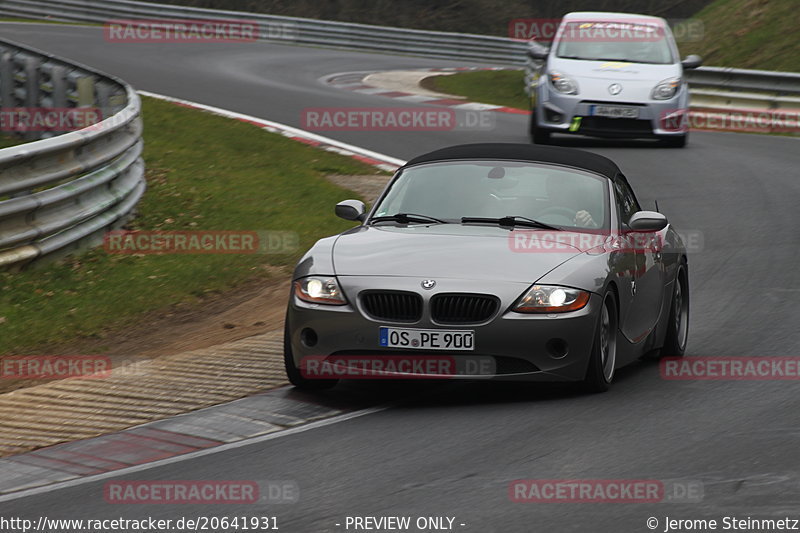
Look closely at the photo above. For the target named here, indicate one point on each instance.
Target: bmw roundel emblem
(428, 284)
(615, 88)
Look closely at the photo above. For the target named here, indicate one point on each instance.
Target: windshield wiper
(511, 220)
(405, 218)
(625, 60)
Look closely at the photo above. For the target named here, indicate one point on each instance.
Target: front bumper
(558, 112)
(530, 347)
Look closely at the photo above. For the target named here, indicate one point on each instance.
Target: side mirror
(647, 221)
(692, 61)
(351, 210)
(537, 51)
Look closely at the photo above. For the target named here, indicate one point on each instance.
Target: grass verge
(753, 34)
(204, 172)
(498, 87)
(7, 141)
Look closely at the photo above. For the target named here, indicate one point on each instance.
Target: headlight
(562, 83)
(319, 290)
(551, 299)
(666, 89)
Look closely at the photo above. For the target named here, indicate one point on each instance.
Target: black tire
(678, 325)
(600, 371)
(675, 141)
(538, 135)
(293, 373)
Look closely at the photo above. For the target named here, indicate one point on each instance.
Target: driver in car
(563, 193)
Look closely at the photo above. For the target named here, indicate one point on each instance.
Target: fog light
(553, 116)
(557, 348)
(308, 337)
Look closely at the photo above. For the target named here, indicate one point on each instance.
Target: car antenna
(657, 209)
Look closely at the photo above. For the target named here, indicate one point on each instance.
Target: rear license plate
(428, 339)
(614, 111)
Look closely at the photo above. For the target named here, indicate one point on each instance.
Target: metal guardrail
(781, 83)
(468, 47)
(64, 191)
(730, 88)
(286, 29)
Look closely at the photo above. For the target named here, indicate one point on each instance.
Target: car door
(640, 269)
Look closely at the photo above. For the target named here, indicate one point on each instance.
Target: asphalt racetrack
(451, 450)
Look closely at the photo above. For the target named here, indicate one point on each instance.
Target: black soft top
(523, 152)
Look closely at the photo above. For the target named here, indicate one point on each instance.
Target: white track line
(386, 162)
(192, 455)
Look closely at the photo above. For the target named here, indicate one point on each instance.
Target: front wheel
(675, 141)
(603, 358)
(538, 135)
(678, 325)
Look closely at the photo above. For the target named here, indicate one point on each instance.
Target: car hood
(618, 71)
(451, 251)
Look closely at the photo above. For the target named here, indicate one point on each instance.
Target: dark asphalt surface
(453, 450)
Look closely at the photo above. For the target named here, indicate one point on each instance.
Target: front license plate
(428, 339)
(614, 111)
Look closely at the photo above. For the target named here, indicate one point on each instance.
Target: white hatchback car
(610, 75)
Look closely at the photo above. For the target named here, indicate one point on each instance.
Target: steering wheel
(558, 212)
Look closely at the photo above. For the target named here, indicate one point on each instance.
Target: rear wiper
(511, 220)
(405, 218)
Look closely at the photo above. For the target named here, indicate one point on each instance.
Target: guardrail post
(32, 90)
(32, 93)
(6, 80)
(58, 97)
(58, 78)
(85, 89)
(103, 96)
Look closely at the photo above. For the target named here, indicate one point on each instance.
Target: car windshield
(614, 41)
(449, 191)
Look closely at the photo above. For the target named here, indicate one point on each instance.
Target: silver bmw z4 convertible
(491, 261)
